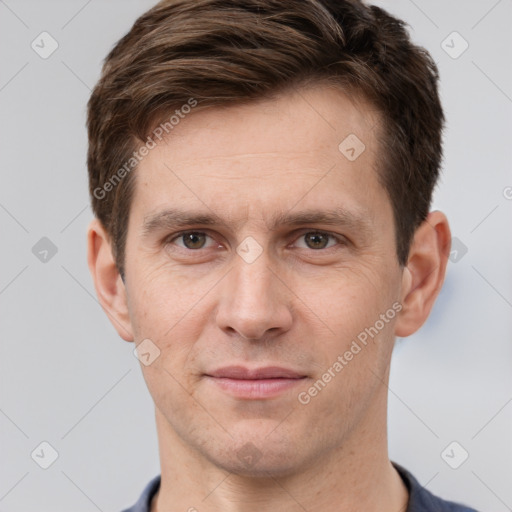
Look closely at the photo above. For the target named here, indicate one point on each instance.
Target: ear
(424, 273)
(109, 286)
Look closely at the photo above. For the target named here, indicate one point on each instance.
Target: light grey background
(69, 380)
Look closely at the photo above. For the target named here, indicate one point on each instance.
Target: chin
(269, 465)
(257, 454)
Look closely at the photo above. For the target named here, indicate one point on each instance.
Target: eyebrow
(175, 218)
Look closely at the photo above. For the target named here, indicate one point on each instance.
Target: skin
(294, 306)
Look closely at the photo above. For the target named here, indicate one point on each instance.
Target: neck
(357, 476)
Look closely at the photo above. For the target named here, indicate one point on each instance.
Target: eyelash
(339, 240)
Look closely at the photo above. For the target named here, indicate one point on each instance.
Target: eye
(317, 240)
(192, 240)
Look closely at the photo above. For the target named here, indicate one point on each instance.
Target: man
(261, 174)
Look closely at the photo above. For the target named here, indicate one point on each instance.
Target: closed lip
(243, 373)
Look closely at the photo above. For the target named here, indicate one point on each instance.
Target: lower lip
(257, 388)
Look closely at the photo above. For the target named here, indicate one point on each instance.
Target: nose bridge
(254, 281)
(252, 301)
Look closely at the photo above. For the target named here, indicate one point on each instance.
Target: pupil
(317, 240)
(193, 240)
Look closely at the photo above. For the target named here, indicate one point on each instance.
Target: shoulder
(144, 502)
(421, 500)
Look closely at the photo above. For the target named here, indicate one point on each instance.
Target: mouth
(257, 383)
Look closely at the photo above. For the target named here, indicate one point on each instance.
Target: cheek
(172, 310)
(172, 321)
(359, 309)
(163, 300)
(348, 299)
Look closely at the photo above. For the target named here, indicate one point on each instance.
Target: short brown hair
(220, 52)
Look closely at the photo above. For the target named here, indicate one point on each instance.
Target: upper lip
(267, 372)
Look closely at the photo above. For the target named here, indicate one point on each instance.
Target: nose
(254, 302)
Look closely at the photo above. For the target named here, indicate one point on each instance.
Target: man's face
(297, 260)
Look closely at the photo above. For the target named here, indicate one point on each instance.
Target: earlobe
(424, 274)
(109, 286)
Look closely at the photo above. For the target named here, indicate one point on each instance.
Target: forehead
(306, 146)
(312, 120)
